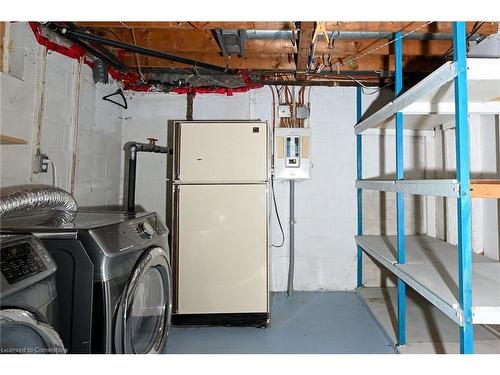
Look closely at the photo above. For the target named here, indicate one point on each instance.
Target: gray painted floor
(428, 330)
(308, 322)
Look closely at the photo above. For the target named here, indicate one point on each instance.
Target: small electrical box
(292, 153)
(284, 110)
(302, 112)
(41, 165)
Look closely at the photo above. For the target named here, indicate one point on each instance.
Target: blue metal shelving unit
(439, 188)
(400, 203)
(359, 176)
(463, 178)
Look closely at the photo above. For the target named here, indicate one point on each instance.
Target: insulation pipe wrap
(34, 197)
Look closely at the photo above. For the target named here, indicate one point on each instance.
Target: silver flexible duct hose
(33, 197)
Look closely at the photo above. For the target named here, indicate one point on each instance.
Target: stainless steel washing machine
(28, 298)
(114, 278)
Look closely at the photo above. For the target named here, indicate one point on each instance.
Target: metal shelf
(438, 188)
(431, 101)
(463, 286)
(431, 269)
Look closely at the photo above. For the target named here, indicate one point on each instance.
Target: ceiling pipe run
(82, 36)
(289, 34)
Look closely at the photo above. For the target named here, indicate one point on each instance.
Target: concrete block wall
(99, 146)
(147, 117)
(325, 205)
(490, 168)
(50, 101)
(484, 164)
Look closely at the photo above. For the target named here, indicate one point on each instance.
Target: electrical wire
(363, 86)
(475, 28)
(357, 57)
(277, 216)
(137, 59)
(272, 158)
(54, 172)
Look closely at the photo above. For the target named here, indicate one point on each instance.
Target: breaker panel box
(292, 153)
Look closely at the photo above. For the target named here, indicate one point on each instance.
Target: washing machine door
(22, 333)
(146, 305)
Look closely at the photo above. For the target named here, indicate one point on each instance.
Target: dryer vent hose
(17, 200)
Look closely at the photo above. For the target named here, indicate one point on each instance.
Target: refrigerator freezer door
(222, 248)
(223, 152)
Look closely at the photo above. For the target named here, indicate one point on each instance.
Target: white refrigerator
(221, 218)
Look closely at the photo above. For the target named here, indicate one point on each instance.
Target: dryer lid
(50, 220)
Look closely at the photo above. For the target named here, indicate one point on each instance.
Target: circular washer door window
(148, 311)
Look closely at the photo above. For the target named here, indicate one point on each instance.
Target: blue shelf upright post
(359, 176)
(463, 178)
(400, 204)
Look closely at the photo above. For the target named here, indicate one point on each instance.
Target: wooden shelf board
(7, 140)
(485, 189)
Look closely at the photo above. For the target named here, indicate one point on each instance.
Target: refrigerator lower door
(222, 247)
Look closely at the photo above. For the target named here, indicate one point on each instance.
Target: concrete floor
(429, 331)
(308, 322)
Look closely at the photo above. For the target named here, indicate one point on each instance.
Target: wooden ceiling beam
(287, 63)
(204, 41)
(304, 49)
(435, 27)
(262, 62)
(379, 47)
(198, 25)
(488, 28)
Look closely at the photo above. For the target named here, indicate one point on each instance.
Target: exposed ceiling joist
(277, 62)
(283, 47)
(280, 63)
(203, 41)
(304, 50)
(438, 26)
(275, 25)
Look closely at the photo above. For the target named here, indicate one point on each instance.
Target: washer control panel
(136, 232)
(20, 261)
(23, 261)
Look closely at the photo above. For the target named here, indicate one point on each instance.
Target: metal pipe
(131, 149)
(35, 197)
(101, 55)
(291, 263)
(140, 50)
(289, 34)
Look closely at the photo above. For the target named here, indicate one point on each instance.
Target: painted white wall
(325, 205)
(490, 168)
(484, 163)
(147, 117)
(48, 95)
(50, 101)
